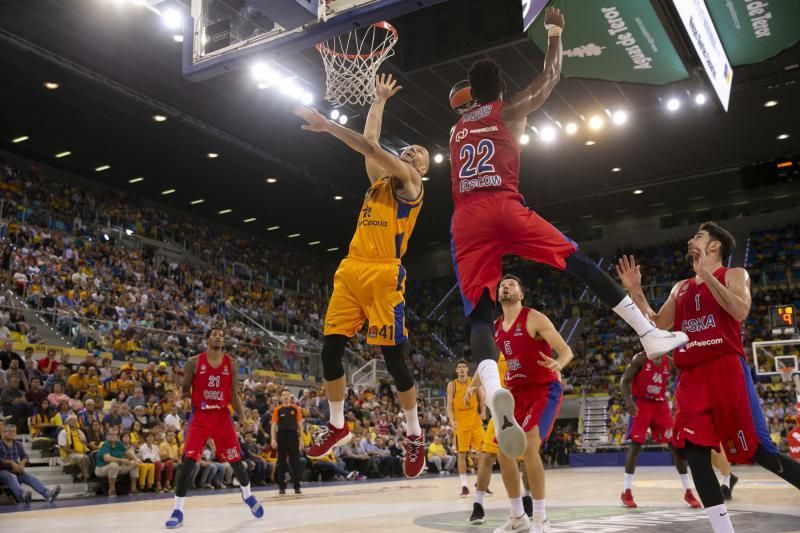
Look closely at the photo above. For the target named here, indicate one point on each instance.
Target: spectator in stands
(58, 395)
(48, 365)
(8, 354)
(173, 418)
(13, 461)
(74, 447)
(115, 459)
(14, 404)
(125, 416)
(77, 383)
(169, 455)
(15, 370)
(63, 412)
(95, 435)
(112, 418)
(331, 464)
(209, 474)
(148, 455)
(439, 458)
(88, 415)
(382, 457)
(93, 393)
(43, 424)
(251, 453)
(356, 460)
(157, 417)
(137, 398)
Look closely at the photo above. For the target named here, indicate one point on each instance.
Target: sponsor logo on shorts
(372, 332)
(732, 447)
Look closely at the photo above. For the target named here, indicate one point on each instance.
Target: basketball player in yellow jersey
(465, 413)
(370, 282)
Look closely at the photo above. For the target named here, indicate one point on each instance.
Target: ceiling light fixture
(616, 169)
(51, 85)
(313, 243)
(438, 158)
(524, 138)
(638, 191)
(596, 122)
(332, 249)
(248, 220)
(783, 136)
(334, 114)
(770, 103)
(168, 191)
(172, 18)
(619, 117)
(213, 155)
(337, 197)
(20, 139)
(590, 143)
(425, 178)
(66, 153)
(700, 99)
(673, 104)
(198, 201)
(177, 38)
(271, 180)
(101, 168)
(547, 133)
(224, 211)
(136, 180)
(159, 118)
(293, 235)
(342, 119)
(571, 128)
(273, 228)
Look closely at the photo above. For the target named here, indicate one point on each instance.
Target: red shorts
(486, 228)
(651, 415)
(214, 424)
(716, 402)
(538, 405)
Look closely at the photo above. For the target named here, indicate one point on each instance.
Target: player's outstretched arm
(188, 376)
(631, 370)
(539, 324)
(515, 113)
(370, 149)
(385, 88)
(631, 278)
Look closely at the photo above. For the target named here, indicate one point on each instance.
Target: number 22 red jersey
(211, 387)
(651, 381)
(522, 353)
(484, 157)
(712, 331)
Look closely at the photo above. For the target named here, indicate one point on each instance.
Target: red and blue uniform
(210, 418)
(649, 390)
(490, 218)
(715, 401)
(536, 389)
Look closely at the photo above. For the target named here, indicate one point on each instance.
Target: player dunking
(715, 400)
(527, 339)
(490, 219)
(465, 412)
(211, 380)
(644, 388)
(370, 282)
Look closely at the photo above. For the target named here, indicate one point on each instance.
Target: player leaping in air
(715, 400)
(490, 219)
(370, 282)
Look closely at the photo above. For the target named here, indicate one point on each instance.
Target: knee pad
(396, 365)
(332, 352)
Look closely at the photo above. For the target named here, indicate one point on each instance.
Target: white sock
(179, 502)
(463, 478)
(631, 314)
(246, 491)
(479, 495)
(627, 482)
(526, 492)
(412, 419)
(337, 414)
(726, 480)
(538, 510)
(685, 482)
(490, 377)
(720, 519)
(516, 507)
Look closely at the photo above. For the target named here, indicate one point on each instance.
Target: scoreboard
(783, 319)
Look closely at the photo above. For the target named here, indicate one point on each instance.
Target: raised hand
(386, 87)
(316, 122)
(553, 17)
(628, 272)
(700, 262)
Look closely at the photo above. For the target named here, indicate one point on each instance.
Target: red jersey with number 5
(484, 157)
(211, 387)
(712, 331)
(651, 381)
(522, 353)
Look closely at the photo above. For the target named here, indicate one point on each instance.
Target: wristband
(554, 31)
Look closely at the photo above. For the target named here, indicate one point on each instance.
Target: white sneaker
(540, 526)
(515, 525)
(510, 437)
(657, 342)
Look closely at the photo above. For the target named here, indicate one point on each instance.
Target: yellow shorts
(470, 438)
(371, 291)
(489, 445)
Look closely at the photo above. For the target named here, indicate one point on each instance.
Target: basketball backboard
(224, 35)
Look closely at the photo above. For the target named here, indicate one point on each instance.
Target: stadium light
(596, 122)
(212, 155)
(524, 138)
(616, 169)
(272, 180)
(51, 85)
(783, 136)
(292, 235)
(102, 168)
(700, 99)
(265, 75)
(249, 220)
(571, 128)
(438, 158)
(673, 104)
(770, 103)
(18, 140)
(307, 98)
(159, 118)
(337, 197)
(547, 134)
(66, 153)
(590, 143)
(334, 114)
(638, 192)
(136, 180)
(342, 119)
(172, 18)
(168, 191)
(177, 38)
(224, 211)
(273, 228)
(198, 201)
(619, 117)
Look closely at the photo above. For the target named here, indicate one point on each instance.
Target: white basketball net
(352, 61)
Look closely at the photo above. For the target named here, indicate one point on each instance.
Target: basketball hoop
(352, 61)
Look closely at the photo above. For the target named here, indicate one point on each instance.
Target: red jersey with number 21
(522, 353)
(484, 157)
(211, 387)
(712, 331)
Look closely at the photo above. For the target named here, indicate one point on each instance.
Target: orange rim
(380, 51)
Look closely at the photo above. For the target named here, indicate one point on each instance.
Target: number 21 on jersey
(213, 382)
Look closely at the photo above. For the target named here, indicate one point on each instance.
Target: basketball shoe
(690, 500)
(328, 438)
(540, 526)
(414, 462)
(627, 499)
(510, 437)
(520, 524)
(477, 516)
(657, 342)
(727, 492)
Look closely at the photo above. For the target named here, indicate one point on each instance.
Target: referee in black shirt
(286, 432)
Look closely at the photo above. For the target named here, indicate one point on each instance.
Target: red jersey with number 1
(651, 381)
(484, 156)
(712, 331)
(211, 387)
(522, 353)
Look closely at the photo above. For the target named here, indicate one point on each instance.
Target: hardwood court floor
(579, 499)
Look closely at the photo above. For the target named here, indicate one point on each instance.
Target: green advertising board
(755, 30)
(615, 40)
